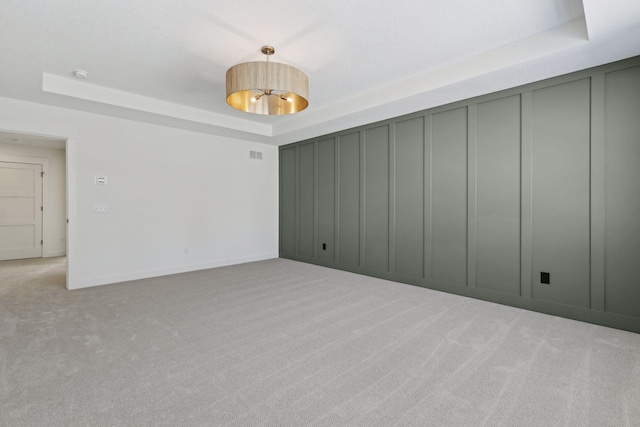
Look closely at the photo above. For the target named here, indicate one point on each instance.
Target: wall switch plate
(101, 208)
(545, 278)
(102, 180)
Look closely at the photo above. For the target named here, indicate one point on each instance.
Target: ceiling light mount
(267, 87)
(267, 50)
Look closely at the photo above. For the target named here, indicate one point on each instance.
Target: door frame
(71, 186)
(44, 164)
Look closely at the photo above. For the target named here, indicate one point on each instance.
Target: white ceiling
(164, 61)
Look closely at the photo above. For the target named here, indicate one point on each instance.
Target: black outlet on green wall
(545, 278)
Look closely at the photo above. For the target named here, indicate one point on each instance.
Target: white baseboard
(117, 278)
(55, 254)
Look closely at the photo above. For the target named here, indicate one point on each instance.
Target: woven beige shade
(267, 88)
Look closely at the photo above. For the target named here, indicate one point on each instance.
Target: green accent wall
(480, 197)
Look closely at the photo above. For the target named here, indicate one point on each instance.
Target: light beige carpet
(282, 343)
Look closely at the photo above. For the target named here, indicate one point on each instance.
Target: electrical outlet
(545, 278)
(324, 246)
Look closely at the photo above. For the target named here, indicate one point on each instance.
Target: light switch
(102, 180)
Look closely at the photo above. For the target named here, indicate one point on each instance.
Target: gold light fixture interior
(267, 87)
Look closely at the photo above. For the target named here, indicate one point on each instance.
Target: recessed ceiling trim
(546, 43)
(79, 89)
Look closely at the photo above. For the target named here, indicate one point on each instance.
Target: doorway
(33, 197)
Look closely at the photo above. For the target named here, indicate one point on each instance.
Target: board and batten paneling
(305, 199)
(449, 196)
(480, 197)
(561, 128)
(498, 195)
(376, 204)
(409, 197)
(622, 184)
(349, 188)
(326, 199)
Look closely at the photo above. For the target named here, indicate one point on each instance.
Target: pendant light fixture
(267, 87)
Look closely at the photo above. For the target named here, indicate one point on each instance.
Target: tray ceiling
(163, 61)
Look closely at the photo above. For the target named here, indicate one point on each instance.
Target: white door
(20, 211)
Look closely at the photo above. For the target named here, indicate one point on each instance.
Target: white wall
(168, 189)
(54, 191)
